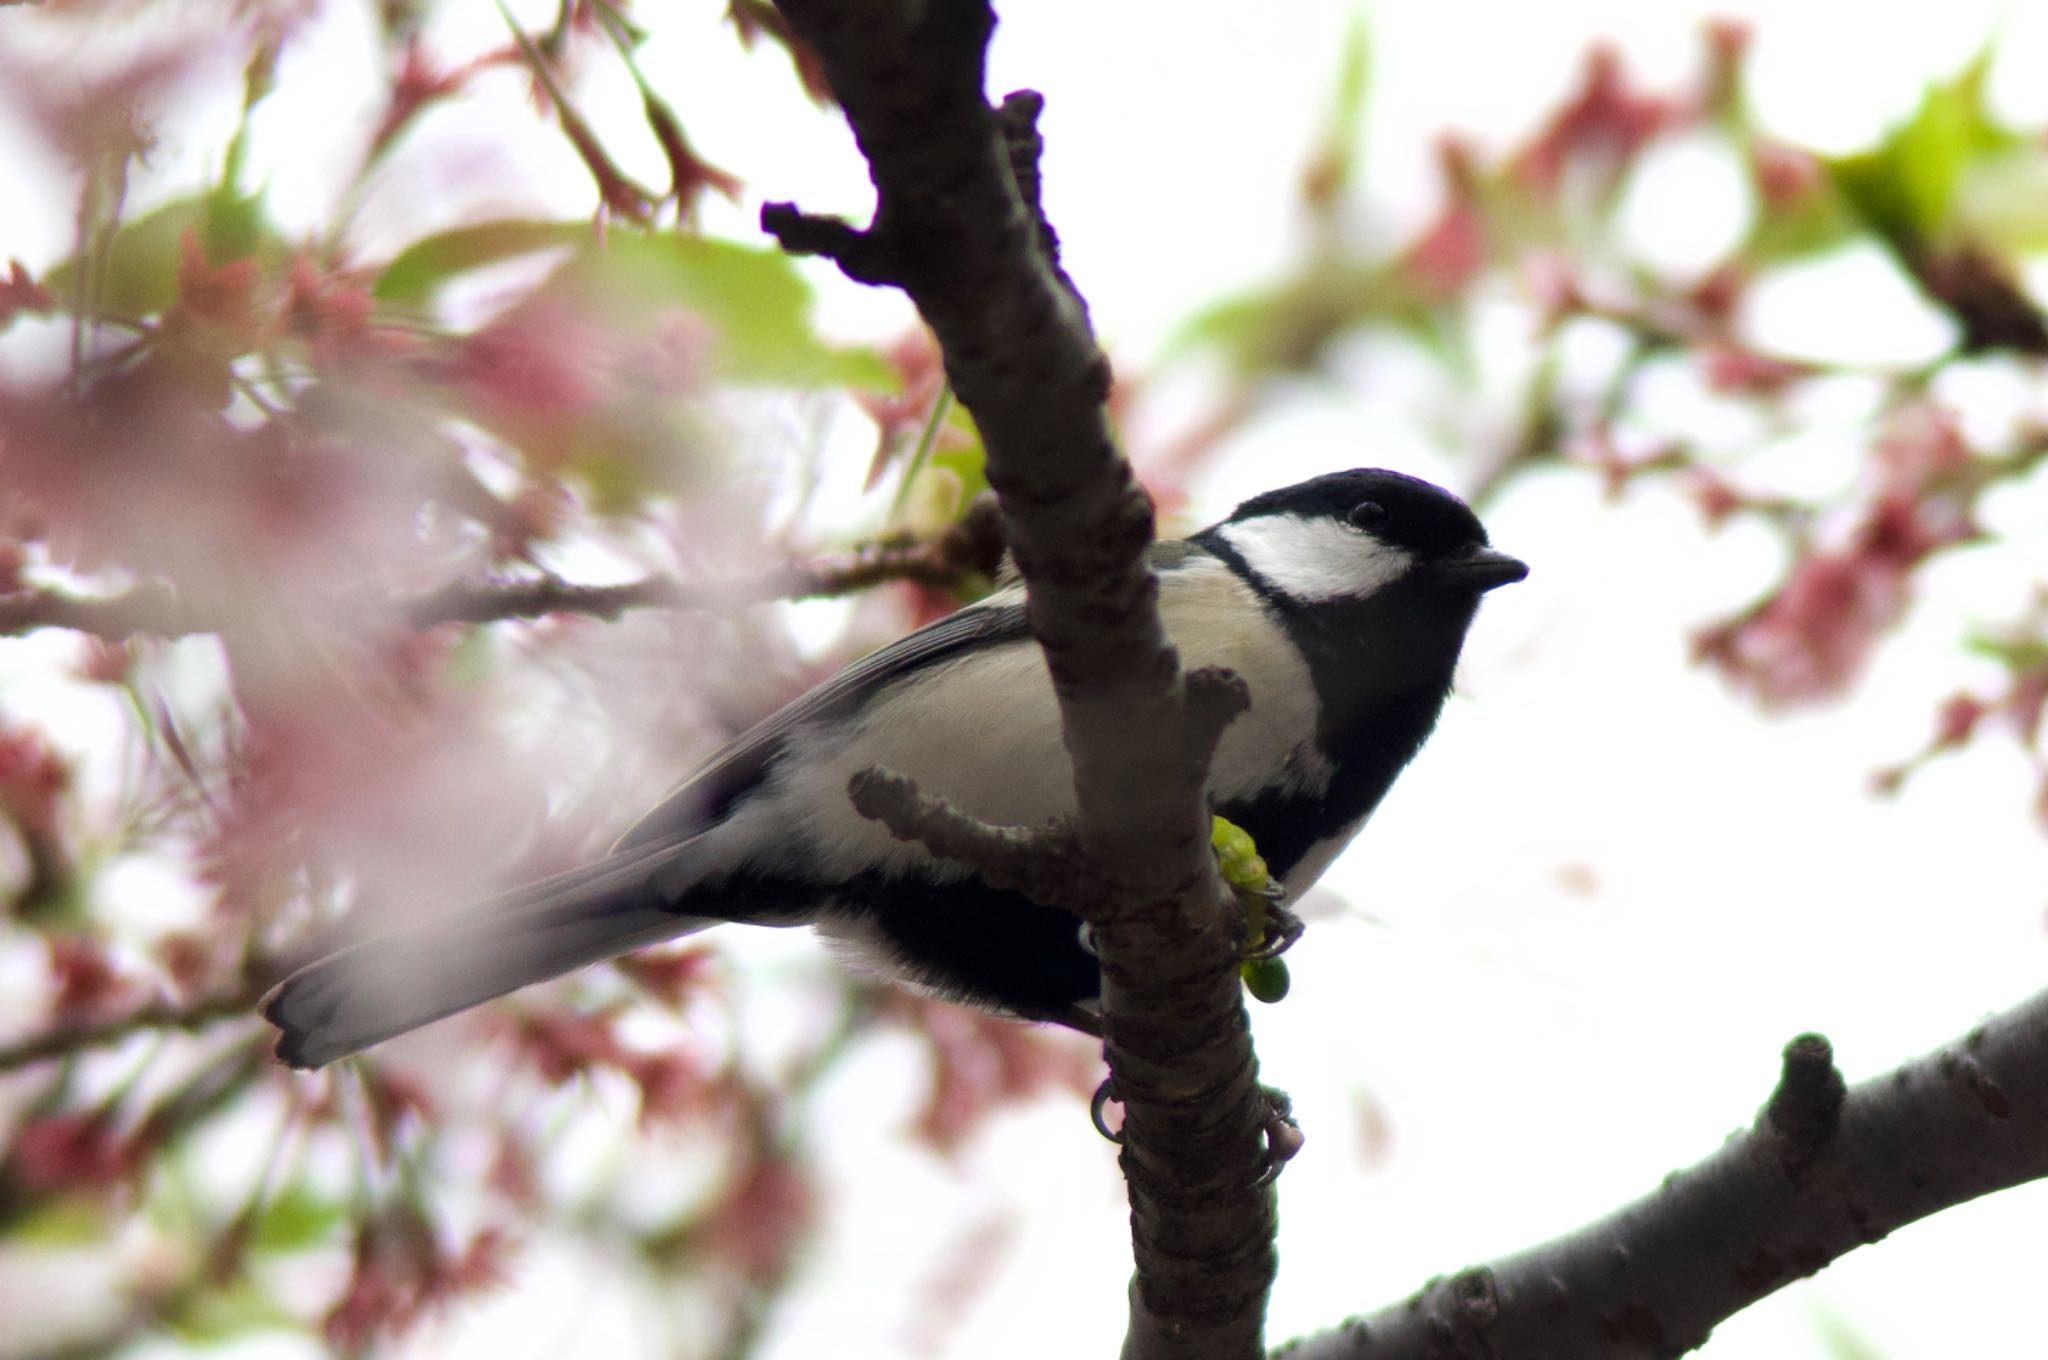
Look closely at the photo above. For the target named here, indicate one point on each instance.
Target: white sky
(1602, 866)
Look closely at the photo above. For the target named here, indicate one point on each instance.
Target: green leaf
(62, 1221)
(234, 228)
(1844, 1342)
(1290, 326)
(967, 461)
(413, 275)
(616, 479)
(140, 275)
(1337, 162)
(1906, 185)
(295, 1217)
(2003, 200)
(1278, 328)
(754, 297)
(1819, 221)
(468, 664)
(1354, 77)
(240, 1307)
(2017, 652)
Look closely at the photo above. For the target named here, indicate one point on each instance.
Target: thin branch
(974, 544)
(615, 188)
(61, 1041)
(1825, 1169)
(957, 227)
(1044, 863)
(152, 608)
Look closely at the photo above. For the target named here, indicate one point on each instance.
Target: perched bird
(1341, 602)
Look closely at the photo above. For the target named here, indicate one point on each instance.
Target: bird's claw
(1283, 928)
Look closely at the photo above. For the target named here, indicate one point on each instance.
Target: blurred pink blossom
(1606, 119)
(71, 1151)
(764, 1213)
(1810, 638)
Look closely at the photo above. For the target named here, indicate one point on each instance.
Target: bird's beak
(1484, 568)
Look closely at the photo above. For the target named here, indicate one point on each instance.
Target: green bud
(1237, 856)
(1265, 979)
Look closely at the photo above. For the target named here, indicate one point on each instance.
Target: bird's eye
(1369, 515)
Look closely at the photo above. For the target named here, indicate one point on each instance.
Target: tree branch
(1824, 1170)
(974, 544)
(957, 227)
(151, 608)
(1044, 863)
(63, 1040)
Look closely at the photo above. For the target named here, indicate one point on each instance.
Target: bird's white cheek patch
(1316, 559)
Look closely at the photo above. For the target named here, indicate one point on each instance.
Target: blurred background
(323, 318)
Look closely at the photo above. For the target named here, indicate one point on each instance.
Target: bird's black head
(1347, 536)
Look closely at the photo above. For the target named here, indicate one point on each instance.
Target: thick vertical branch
(956, 227)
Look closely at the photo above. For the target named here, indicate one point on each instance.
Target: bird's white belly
(983, 732)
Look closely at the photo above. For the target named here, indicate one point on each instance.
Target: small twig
(617, 189)
(1044, 863)
(150, 608)
(862, 256)
(1217, 696)
(63, 1040)
(1806, 1109)
(974, 544)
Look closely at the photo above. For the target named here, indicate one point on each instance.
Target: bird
(1342, 603)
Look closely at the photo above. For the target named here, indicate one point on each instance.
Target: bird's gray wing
(739, 766)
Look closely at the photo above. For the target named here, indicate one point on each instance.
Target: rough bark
(957, 227)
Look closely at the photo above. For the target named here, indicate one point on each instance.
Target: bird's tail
(395, 982)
